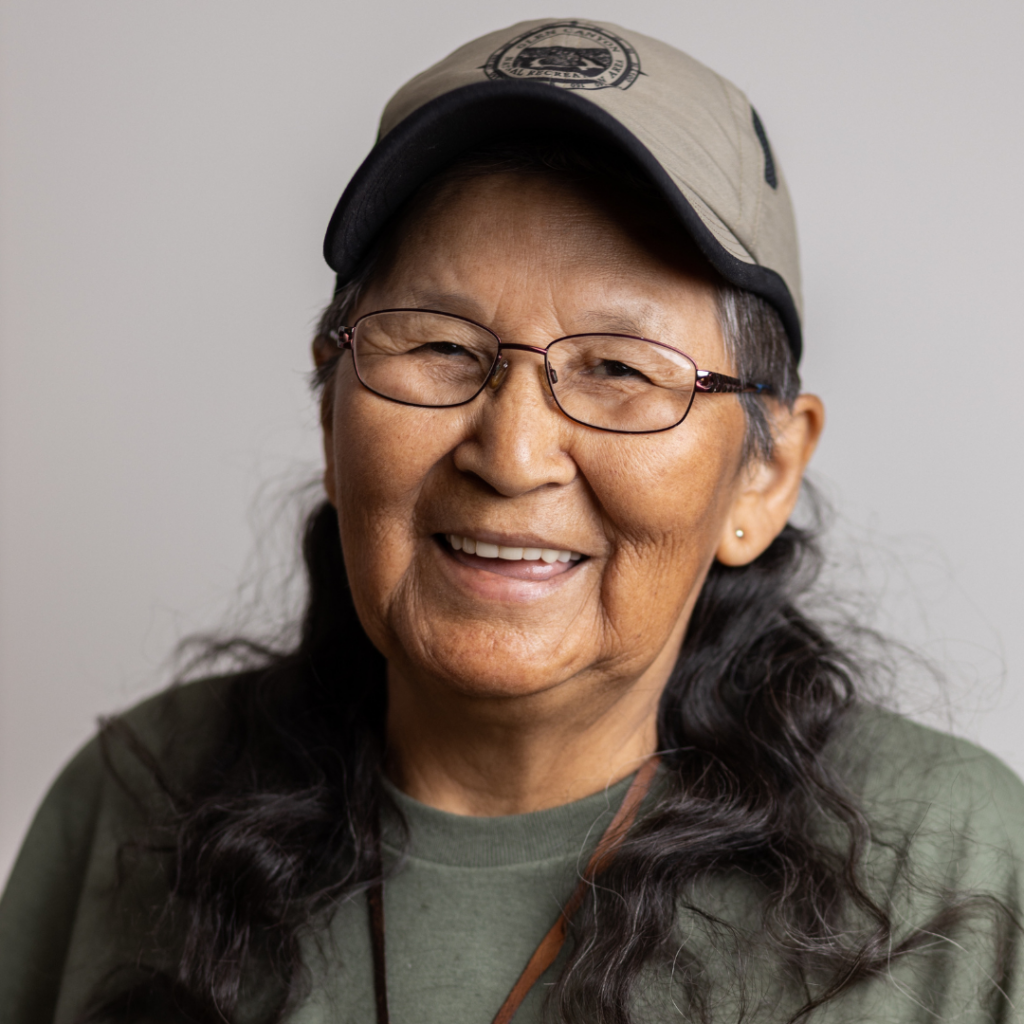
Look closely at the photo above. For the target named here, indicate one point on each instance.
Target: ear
(324, 350)
(330, 482)
(323, 353)
(768, 490)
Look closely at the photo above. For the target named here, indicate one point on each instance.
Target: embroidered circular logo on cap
(569, 54)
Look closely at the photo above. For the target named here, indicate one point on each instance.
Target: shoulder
(57, 910)
(170, 734)
(946, 802)
(178, 727)
(886, 755)
(194, 706)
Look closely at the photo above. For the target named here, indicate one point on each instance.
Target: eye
(613, 368)
(445, 348)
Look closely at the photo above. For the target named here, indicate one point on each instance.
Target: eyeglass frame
(708, 382)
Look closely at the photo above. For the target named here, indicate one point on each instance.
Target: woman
(556, 741)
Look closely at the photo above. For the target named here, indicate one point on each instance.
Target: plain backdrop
(167, 170)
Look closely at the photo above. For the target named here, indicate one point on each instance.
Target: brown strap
(551, 945)
(375, 903)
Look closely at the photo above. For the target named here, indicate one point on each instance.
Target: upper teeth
(482, 549)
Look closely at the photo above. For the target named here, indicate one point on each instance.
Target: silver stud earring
(739, 533)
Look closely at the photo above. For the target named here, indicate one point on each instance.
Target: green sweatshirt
(466, 908)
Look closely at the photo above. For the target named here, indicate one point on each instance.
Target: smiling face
(637, 519)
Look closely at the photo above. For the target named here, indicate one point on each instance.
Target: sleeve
(40, 904)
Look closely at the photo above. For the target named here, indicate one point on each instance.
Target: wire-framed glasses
(614, 382)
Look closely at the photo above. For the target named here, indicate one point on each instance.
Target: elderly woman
(556, 741)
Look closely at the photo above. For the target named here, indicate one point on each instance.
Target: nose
(501, 366)
(519, 440)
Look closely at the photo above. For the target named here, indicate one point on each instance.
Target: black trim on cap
(769, 161)
(435, 134)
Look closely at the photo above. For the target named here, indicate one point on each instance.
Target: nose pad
(497, 375)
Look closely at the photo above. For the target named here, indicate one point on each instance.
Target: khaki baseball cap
(693, 134)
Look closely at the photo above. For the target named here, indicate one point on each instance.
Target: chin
(500, 684)
(496, 664)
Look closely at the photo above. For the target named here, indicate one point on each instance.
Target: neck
(488, 756)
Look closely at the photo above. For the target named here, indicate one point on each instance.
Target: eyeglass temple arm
(720, 383)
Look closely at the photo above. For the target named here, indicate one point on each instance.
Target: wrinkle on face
(534, 261)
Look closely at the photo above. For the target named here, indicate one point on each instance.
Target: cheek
(664, 498)
(377, 453)
(383, 454)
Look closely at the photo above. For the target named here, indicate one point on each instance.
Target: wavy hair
(281, 829)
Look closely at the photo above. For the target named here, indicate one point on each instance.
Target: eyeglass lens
(607, 381)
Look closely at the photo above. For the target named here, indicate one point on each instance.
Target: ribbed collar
(463, 841)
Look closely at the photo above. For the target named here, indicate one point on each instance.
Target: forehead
(586, 217)
(543, 241)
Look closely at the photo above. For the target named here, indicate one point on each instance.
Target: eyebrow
(459, 303)
(642, 322)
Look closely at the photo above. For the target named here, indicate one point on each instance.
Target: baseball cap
(693, 134)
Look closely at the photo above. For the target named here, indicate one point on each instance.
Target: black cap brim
(438, 132)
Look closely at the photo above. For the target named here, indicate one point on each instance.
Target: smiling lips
(484, 550)
(518, 562)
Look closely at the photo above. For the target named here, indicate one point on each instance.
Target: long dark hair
(280, 828)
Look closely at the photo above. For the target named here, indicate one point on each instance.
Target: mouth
(512, 560)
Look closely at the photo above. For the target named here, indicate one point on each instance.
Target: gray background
(168, 168)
